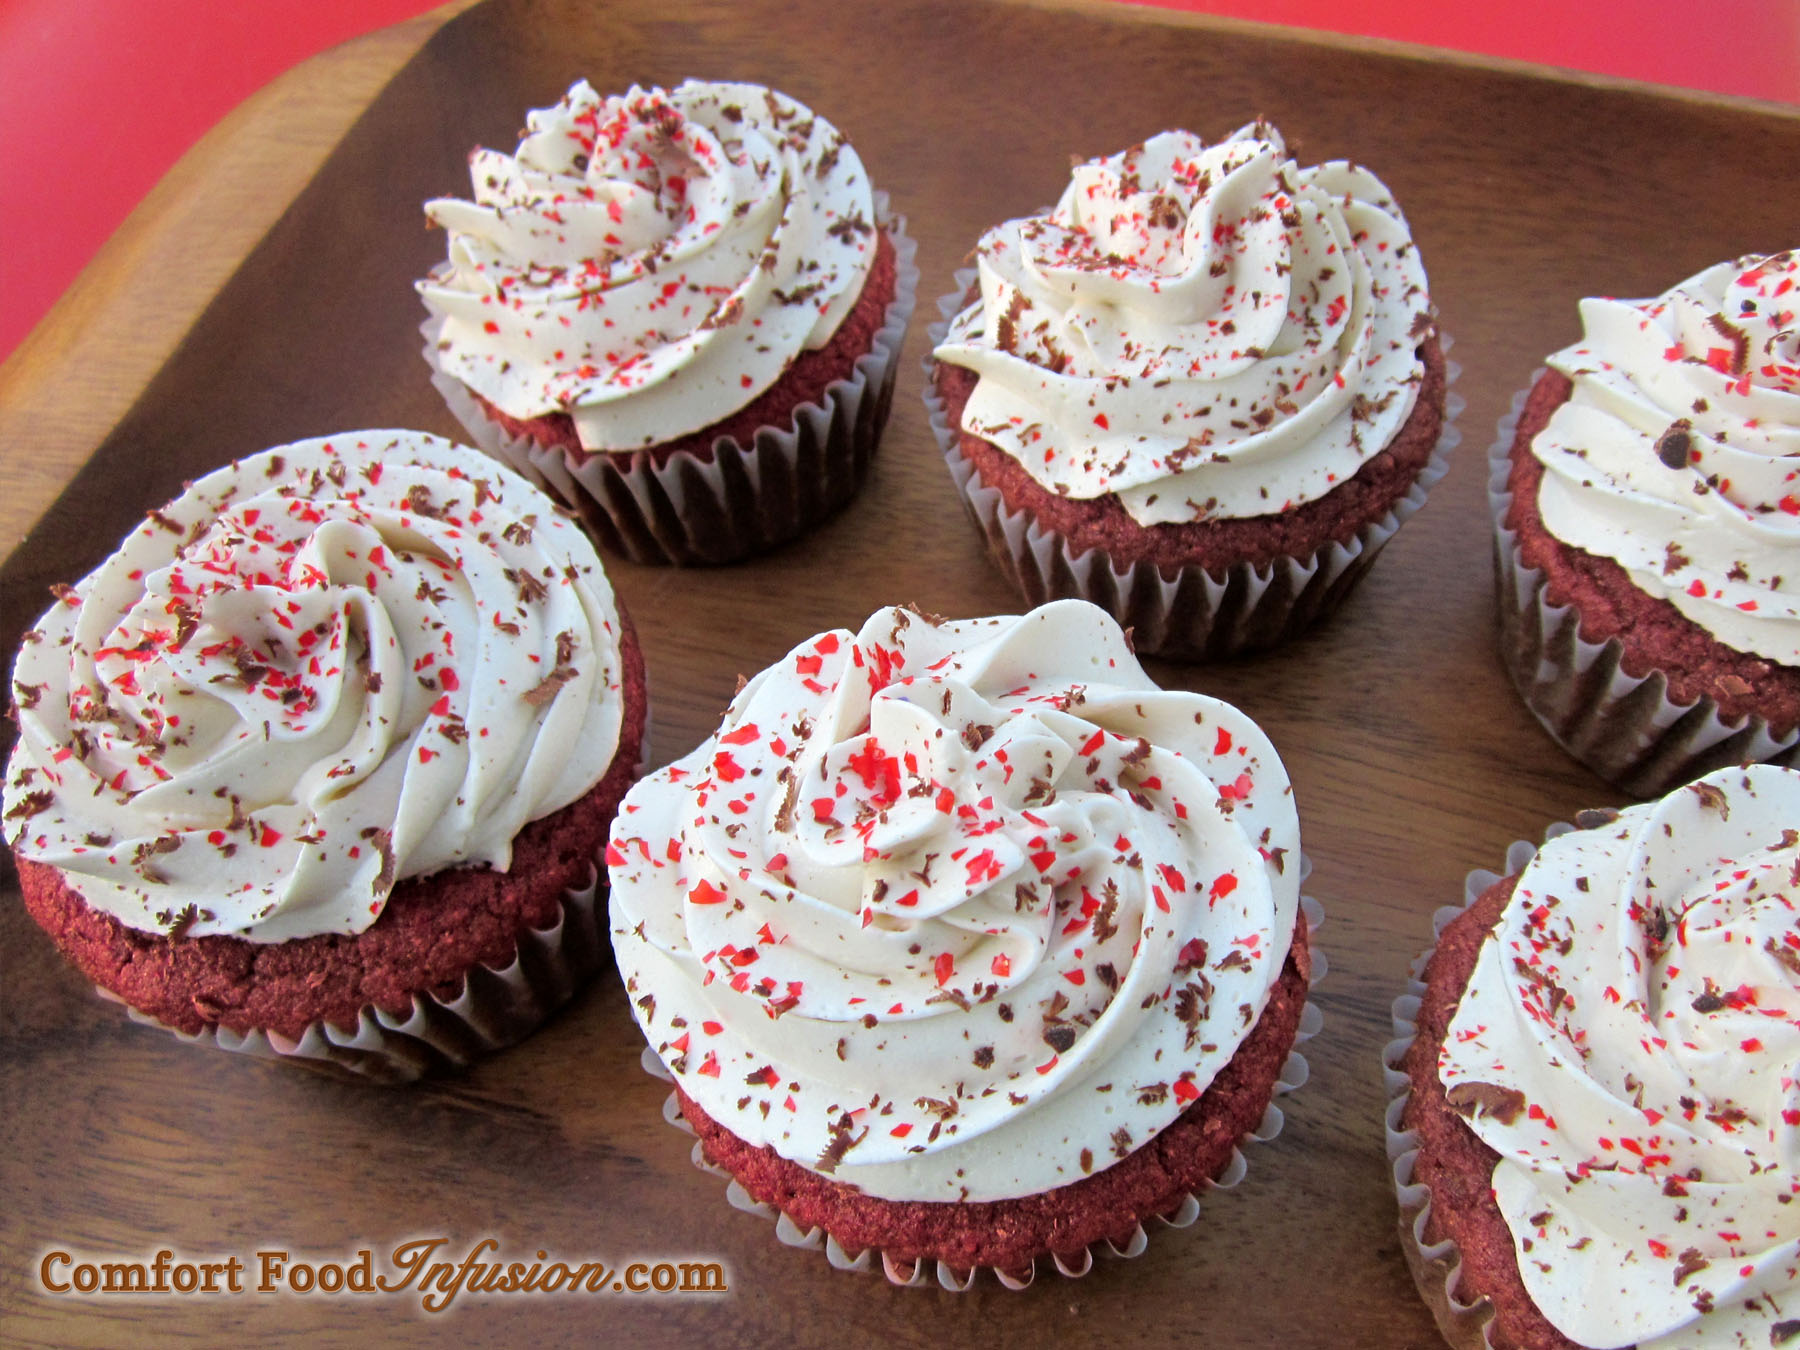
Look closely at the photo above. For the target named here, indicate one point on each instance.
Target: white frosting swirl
(1630, 1043)
(320, 669)
(957, 910)
(1206, 331)
(1677, 454)
(650, 263)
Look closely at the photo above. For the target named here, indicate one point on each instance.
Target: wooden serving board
(264, 294)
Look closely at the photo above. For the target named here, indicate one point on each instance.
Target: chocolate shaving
(975, 733)
(956, 996)
(1192, 957)
(1737, 337)
(143, 853)
(384, 844)
(1783, 953)
(1006, 327)
(531, 589)
(183, 921)
(846, 226)
(784, 814)
(725, 314)
(1594, 817)
(1104, 927)
(1060, 1037)
(1712, 798)
(418, 501)
(799, 295)
(31, 804)
(842, 1141)
(1190, 1010)
(935, 620)
(984, 1056)
(545, 689)
(1486, 1099)
(1674, 447)
(1690, 1262)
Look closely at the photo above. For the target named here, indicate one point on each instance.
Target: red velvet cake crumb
(805, 381)
(431, 932)
(1654, 634)
(1452, 1159)
(1216, 545)
(1009, 1234)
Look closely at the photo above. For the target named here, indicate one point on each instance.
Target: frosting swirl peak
(957, 909)
(1206, 331)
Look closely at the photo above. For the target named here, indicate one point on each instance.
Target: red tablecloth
(99, 97)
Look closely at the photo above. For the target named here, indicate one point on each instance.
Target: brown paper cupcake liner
(689, 510)
(919, 1273)
(1436, 1266)
(1624, 727)
(1192, 616)
(495, 1008)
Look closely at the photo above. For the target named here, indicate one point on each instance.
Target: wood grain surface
(1412, 758)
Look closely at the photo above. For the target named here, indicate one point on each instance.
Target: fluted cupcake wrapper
(1193, 616)
(922, 1273)
(1624, 727)
(690, 510)
(1436, 1266)
(495, 1008)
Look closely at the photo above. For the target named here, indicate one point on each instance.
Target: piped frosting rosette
(1677, 454)
(650, 262)
(1629, 1043)
(321, 669)
(1206, 331)
(957, 910)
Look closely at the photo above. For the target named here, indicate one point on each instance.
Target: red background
(99, 97)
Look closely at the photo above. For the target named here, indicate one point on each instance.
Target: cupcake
(321, 761)
(1596, 1124)
(962, 942)
(1647, 500)
(678, 310)
(1202, 391)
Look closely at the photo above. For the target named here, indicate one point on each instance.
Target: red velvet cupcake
(965, 946)
(1646, 495)
(321, 761)
(1592, 1099)
(1202, 391)
(678, 310)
